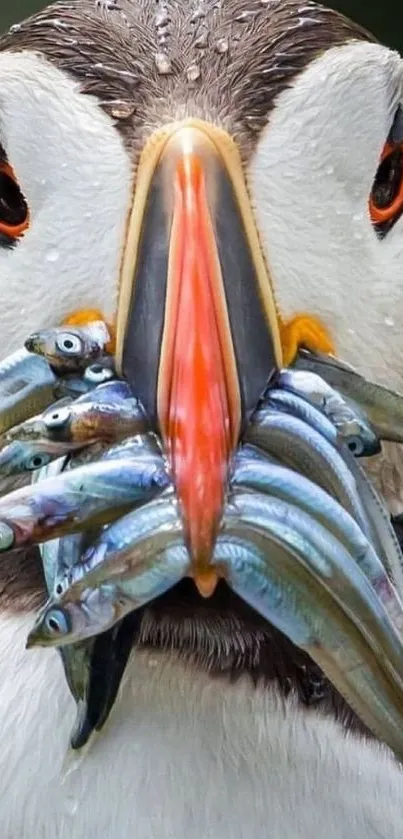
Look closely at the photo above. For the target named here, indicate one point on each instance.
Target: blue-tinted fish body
(109, 413)
(382, 407)
(301, 447)
(282, 483)
(144, 557)
(27, 386)
(351, 426)
(263, 573)
(79, 499)
(327, 560)
(76, 385)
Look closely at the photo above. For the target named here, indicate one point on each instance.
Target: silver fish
(93, 668)
(78, 385)
(70, 348)
(302, 448)
(382, 407)
(20, 457)
(107, 414)
(284, 484)
(325, 558)
(76, 658)
(26, 387)
(352, 427)
(78, 499)
(274, 582)
(141, 558)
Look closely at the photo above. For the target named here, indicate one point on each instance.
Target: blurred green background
(383, 17)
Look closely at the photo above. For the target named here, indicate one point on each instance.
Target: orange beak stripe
(198, 399)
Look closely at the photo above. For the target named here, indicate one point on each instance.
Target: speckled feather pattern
(112, 53)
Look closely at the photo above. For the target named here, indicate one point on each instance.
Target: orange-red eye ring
(382, 215)
(13, 231)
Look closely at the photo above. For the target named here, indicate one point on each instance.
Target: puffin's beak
(197, 328)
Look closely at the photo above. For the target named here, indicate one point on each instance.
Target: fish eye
(36, 461)
(6, 536)
(356, 446)
(56, 622)
(69, 343)
(97, 373)
(57, 418)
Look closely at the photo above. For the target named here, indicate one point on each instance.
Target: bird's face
(309, 103)
(161, 174)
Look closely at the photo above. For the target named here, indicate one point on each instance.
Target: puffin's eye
(14, 215)
(56, 622)
(69, 343)
(55, 419)
(386, 200)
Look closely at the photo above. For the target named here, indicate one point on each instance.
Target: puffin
(231, 169)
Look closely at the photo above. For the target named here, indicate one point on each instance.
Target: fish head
(59, 346)
(359, 438)
(52, 425)
(66, 621)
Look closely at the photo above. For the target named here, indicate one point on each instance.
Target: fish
(304, 449)
(70, 348)
(27, 386)
(93, 668)
(279, 482)
(301, 447)
(327, 561)
(75, 385)
(273, 579)
(139, 445)
(382, 407)
(351, 425)
(109, 413)
(137, 560)
(21, 457)
(110, 653)
(78, 499)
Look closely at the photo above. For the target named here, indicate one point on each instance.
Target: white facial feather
(183, 755)
(77, 179)
(311, 179)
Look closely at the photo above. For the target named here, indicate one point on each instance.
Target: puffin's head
(183, 169)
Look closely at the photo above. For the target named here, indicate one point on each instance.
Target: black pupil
(68, 344)
(59, 588)
(37, 461)
(53, 624)
(13, 209)
(388, 180)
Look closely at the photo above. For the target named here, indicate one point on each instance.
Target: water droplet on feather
(193, 72)
(222, 45)
(162, 63)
